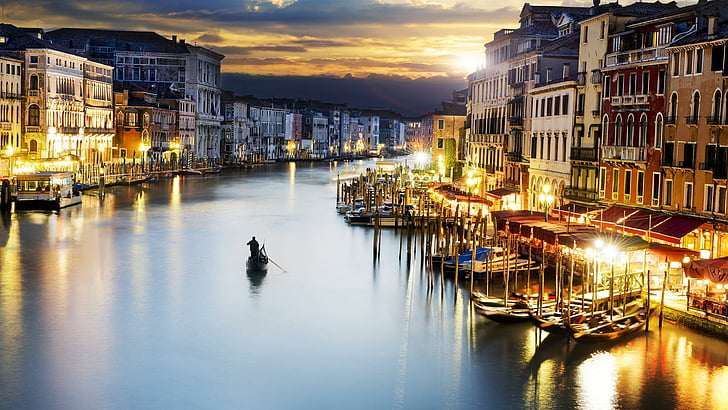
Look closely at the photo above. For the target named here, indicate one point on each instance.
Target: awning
(673, 229)
(612, 215)
(669, 253)
(661, 226)
(715, 270)
(573, 210)
(501, 192)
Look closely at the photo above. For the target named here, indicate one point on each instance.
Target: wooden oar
(274, 262)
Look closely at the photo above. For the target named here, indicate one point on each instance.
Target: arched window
(658, 131)
(672, 119)
(717, 104)
(642, 134)
(695, 112)
(33, 82)
(630, 130)
(33, 115)
(605, 130)
(33, 146)
(618, 131)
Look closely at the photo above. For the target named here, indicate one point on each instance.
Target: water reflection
(255, 277)
(138, 295)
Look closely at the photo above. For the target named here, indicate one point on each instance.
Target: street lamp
(546, 199)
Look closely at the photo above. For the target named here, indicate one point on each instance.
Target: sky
(417, 43)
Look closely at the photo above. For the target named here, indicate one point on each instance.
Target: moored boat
(46, 191)
(607, 326)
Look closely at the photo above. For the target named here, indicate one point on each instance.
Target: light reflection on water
(140, 299)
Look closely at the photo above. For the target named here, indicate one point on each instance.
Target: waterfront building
(294, 133)
(66, 93)
(235, 129)
(11, 98)
(181, 144)
(315, 134)
(695, 147)
(593, 49)
(167, 67)
(486, 113)
(632, 118)
(550, 131)
(419, 133)
(267, 131)
(145, 130)
(448, 139)
(370, 123)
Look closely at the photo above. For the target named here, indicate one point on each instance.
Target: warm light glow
(704, 254)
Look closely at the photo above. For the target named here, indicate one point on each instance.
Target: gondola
(605, 327)
(511, 313)
(258, 262)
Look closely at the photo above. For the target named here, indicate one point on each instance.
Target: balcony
(579, 113)
(583, 194)
(516, 121)
(596, 113)
(712, 120)
(692, 120)
(671, 120)
(630, 100)
(489, 169)
(635, 56)
(584, 154)
(596, 77)
(514, 156)
(624, 153)
(581, 78)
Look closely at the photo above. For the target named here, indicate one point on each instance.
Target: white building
(203, 86)
(549, 140)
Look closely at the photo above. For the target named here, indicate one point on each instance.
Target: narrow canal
(139, 299)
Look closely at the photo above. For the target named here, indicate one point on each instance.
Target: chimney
(174, 38)
(181, 41)
(712, 23)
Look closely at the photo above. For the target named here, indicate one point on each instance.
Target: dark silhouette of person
(254, 247)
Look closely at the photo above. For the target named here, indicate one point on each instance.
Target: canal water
(140, 299)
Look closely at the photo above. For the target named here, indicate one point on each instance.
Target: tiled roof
(121, 40)
(18, 39)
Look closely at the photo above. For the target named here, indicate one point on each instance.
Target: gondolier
(254, 247)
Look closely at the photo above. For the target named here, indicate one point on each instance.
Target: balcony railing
(581, 78)
(596, 113)
(580, 193)
(634, 56)
(692, 120)
(625, 153)
(712, 120)
(630, 99)
(514, 156)
(596, 76)
(516, 121)
(579, 113)
(671, 120)
(584, 154)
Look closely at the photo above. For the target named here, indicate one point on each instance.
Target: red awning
(612, 215)
(673, 229)
(641, 221)
(715, 270)
(670, 253)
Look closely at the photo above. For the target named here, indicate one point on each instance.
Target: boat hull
(47, 204)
